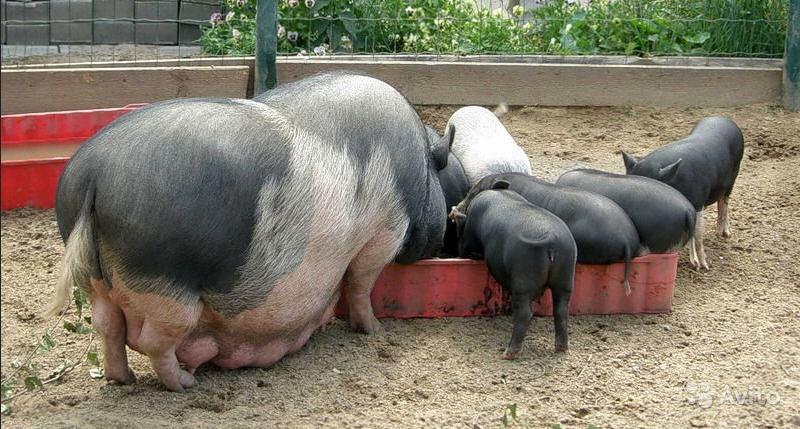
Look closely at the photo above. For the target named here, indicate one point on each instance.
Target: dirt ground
(727, 356)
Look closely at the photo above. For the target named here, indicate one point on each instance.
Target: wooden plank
(513, 59)
(45, 90)
(560, 84)
(432, 82)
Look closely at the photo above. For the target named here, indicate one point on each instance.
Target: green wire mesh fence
(111, 30)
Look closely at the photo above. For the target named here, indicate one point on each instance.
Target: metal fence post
(791, 59)
(266, 45)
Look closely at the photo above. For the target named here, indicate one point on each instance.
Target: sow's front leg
(361, 274)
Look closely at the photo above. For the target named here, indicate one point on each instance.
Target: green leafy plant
(28, 373)
(509, 415)
(664, 27)
(631, 27)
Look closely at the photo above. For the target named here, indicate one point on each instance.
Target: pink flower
(216, 18)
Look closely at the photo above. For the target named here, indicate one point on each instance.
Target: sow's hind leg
(360, 277)
(109, 322)
(156, 324)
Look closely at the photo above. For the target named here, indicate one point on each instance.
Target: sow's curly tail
(80, 258)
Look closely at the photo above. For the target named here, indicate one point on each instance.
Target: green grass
(741, 28)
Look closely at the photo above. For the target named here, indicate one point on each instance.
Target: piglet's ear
(501, 184)
(666, 174)
(441, 149)
(630, 161)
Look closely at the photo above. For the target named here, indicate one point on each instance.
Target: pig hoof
(368, 327)
(186, 379)
(129, 378)
(511, 355)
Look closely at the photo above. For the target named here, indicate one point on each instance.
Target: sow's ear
(441, 149)
(501, 184)
(630, 161)
(666, 174)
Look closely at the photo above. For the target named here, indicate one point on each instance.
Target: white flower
(281, 31)
(229, 15)
(320, 50)
(310, 3)
(216, 18)
(236, 33)
(293, 3)
(517, 10)
(410, 11)
(292, 36)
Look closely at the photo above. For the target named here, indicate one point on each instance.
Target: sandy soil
(733, 334)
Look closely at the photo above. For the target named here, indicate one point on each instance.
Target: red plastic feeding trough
(37, 146)
(461, 287)
(429, 288)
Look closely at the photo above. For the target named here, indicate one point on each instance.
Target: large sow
(224, 230)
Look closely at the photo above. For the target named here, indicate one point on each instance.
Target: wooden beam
(44, 90)
(513, 59)
(560, 84)
(423, 82)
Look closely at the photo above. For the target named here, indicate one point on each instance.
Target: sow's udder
(259, 337)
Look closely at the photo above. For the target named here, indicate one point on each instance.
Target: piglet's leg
(521, 315)
(561, 318)
(723, 227)
(109, 322)
(693, 252)
(699, 230)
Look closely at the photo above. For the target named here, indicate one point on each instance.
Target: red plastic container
(430, 288)
(32, 182)
(460, 287)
